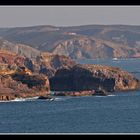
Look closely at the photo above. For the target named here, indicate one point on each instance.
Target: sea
(118, 113)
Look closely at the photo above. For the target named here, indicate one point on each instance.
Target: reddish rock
(75, 93)
(36, 82)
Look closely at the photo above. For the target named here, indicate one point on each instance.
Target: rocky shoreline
(22, 77)
(52, 97)
(81, 93)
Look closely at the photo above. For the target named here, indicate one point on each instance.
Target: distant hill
(88, 41)
(19, 49)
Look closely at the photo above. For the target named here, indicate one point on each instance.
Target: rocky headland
(22, 76)
(93, 79)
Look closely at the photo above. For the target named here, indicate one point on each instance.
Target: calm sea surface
(119, 113)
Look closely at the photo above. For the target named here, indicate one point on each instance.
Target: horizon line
(61, 26)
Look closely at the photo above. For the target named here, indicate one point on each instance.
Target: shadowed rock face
(24, 86)
(36, 82)
(77, 79)
(81, 83)
(92, 77)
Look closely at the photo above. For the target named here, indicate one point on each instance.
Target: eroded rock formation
(93, 77)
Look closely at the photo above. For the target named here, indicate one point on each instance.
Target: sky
(22, 16)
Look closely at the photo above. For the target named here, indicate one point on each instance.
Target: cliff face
(45, 63)
(11, 88)
(92, 77)
(89, 47)
(24, 77)
(36, 82)
(16, 80)
(50, 63)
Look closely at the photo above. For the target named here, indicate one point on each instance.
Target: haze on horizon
(22, 16)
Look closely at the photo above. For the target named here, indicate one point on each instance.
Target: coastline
(129, 58)
(21, 99)
(55, 94)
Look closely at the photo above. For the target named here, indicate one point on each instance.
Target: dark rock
(75, 93)
(79, 78)
(93, 77)
(37, 82)
(45, 98)
(101, 92)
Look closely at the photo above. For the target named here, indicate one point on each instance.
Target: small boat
(46, 98)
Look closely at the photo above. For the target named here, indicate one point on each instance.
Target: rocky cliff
(50, 63)
(23, 76)
(93, 77)
(16, 80)
(11, 88)
(45, 63)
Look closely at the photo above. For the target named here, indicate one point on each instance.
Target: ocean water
(118, 113)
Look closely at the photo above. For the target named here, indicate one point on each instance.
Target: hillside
(88, 41)
(20, 49)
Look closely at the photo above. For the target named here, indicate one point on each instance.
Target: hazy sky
(68, 15)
